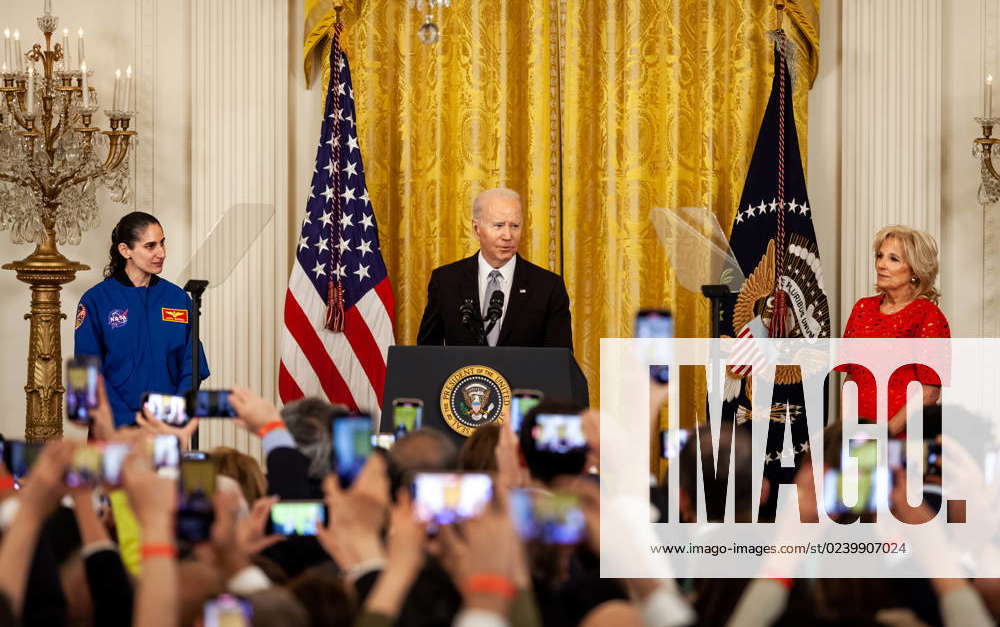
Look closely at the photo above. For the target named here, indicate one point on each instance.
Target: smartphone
(559, 433)
(166, 408)
(81, 388)
(20, 456)
(209, 404)
(194, 518)
(297, 518)
(443, 498)
(407, 415)
(932, 457)
(650, 323)
(352, 443)
(227, 611)
(85, 468)
(521, 402)
(195, 511)
(896, 454)
(671, 448)
(167, 455)
(655, 323)
(874, 487)
(383, 440)
(197, 472)
(550, 517)
(112, 462)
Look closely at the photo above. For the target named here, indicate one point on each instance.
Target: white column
(892, 128)
(239, 159)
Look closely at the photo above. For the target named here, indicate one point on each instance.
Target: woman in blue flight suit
(137, 323)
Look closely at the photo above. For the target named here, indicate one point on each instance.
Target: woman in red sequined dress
(906, 264)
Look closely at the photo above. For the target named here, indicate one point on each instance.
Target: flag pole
(779, 6)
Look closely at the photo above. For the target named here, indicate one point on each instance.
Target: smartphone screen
(553, 518)
(407, 415)
(227, 611)
(112, 462)
(195, 512)
(670, 448)
(167, 455)
(81, 388)
(874, 487)
(559, 433)
(210, 404)
(198, 474)
(442, 498)
(896, 454)
(297, 518)
(352, 443)
(166, 408)
(85, 468)
(20, 456)
(383, 440)
(521, 402)
(651, 323)
(656, 323)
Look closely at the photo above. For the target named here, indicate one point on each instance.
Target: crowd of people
(99, 555)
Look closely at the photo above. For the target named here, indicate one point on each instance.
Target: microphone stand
(197, 288)
(472, 321)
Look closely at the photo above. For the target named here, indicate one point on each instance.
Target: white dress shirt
(506, 282)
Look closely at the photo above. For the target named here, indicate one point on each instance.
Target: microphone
(467, 310)
(495, 309)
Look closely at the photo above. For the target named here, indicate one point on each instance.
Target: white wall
(966, 289)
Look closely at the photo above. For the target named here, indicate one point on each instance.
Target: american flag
(339, 306)
(745, 356)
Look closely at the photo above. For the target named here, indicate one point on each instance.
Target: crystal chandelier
(52, 158)
(429, 32)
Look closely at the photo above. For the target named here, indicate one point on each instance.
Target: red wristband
(491, 584)
(6, 482)
(269, 427)
(158, 550)
(787, 583)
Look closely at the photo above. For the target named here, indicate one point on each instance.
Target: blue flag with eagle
(775, 244)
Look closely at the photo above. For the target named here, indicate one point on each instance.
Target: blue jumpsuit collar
(122, 278)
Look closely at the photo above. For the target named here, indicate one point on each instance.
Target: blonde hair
(920, 251)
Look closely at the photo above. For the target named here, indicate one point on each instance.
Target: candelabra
(982, 149)
(50, 169)
(429, 32)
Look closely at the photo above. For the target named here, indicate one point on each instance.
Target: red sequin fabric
(921, 318)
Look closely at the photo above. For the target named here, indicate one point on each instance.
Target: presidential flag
(775, 244)
(339, 305)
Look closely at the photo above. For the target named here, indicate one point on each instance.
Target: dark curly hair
(128, 231)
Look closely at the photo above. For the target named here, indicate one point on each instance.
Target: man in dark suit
(535, 309)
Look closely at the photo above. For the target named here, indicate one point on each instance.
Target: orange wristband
(491, 584)
(271, 426)
(158, 550)
(787, 583)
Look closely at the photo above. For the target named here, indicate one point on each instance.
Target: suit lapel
(470, 281)
(518, 295)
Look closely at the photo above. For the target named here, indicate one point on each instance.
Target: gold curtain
(595, 110)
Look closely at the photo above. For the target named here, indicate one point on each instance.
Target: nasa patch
(81, 314)
(117, 318)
